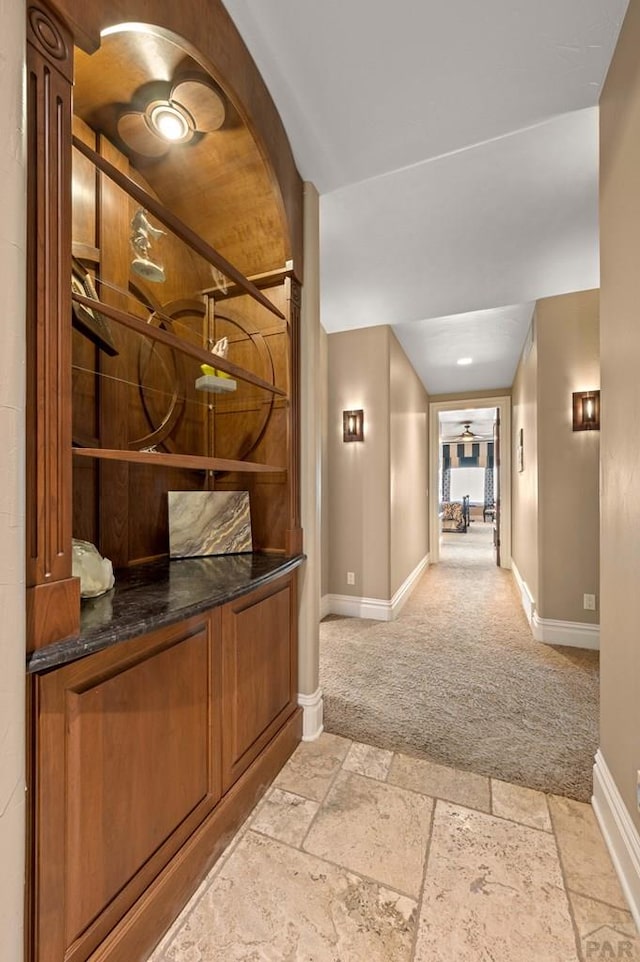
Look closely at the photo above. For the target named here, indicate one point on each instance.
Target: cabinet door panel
(134, 769)
(259, 673)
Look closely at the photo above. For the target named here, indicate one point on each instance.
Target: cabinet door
(259, 645)
(128, 765)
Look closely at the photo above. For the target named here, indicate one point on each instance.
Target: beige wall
(358, 496)
(310, 451)
(377, 490)
(409, 466)
(568, 461)
(556, 498)
(324, 415)
(524, 488)
(12, 352)
(620, 455)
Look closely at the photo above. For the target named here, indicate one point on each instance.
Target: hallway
(358, 855)
(458, 679)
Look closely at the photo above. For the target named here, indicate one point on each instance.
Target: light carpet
(458, 679)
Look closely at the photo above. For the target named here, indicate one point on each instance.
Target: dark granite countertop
(150, 596)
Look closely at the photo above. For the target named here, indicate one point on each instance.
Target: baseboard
(575, 634)
(403, 593)
(620, 833)
(526, 598)
(360, 607)
(312, 715)
(376, 608)
(325, 606)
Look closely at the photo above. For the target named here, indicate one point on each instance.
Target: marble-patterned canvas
(208, 523)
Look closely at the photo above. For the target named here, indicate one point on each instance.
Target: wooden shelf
(174, 224)
(177, 343)
(264, 280)
(192, 461)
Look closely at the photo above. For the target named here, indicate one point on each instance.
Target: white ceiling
(456, 154)
(436, 345)
(480, 421)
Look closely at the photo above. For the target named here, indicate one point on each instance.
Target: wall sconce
(586, 411)
(352, 425)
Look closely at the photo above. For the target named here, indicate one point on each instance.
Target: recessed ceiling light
(170, 122)
(464, 360)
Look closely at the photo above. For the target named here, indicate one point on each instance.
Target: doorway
(470, 478)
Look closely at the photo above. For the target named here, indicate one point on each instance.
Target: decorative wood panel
(85, 414)
(128, 766)
(133, 939)
(259, 672)
(49, 67)
(293, 543)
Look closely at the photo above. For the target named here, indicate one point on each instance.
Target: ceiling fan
(465, 435)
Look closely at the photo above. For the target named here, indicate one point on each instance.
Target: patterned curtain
(446, 484)
(470, 454)
(488, 485)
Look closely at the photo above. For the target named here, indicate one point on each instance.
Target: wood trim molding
(194, 461)
(52, 612)
(294, 300)
(48, 426)
(49, 36)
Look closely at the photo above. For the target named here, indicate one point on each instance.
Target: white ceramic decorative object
(221, 347)
(214, 381)
(215, 384)
(94, 571)
(142, 233)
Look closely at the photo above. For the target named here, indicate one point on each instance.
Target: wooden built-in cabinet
(147, 754)
(150, 753)
(260, 666)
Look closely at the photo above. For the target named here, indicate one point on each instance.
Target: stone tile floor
(357, 854)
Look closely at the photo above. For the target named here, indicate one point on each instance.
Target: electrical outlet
(351, 577)
(589, 602)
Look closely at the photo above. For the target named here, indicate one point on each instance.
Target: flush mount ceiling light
(464, 360)
(170, 121)
(192, 107)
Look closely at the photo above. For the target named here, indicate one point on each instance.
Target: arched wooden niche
(205, 32)
(219, 182)
(243, 198)
(231, 180)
